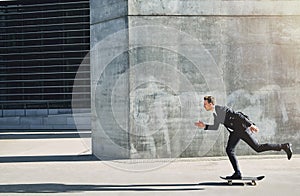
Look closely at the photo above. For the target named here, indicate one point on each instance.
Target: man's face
(208, 106)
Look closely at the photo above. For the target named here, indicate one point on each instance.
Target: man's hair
(210, 99)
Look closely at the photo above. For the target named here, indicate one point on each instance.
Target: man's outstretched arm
(202, 125)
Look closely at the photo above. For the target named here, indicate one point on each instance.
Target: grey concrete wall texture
(152, 62)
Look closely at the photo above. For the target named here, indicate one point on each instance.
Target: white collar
(214, 111)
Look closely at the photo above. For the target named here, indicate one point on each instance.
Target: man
(240, 128)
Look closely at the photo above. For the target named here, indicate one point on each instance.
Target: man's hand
(254, 128)
(200, 124)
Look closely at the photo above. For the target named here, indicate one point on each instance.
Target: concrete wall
(148, 80)
(108, 17)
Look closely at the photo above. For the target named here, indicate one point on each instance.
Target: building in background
(42, 45)
(244, 53)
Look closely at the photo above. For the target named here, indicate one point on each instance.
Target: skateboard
(251, 180)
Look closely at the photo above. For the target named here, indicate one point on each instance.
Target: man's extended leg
(249, 138)
(230, 150)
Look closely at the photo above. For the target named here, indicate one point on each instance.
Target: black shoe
(235, 176)
(287, 147)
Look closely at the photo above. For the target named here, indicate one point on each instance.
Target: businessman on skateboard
(240, 128)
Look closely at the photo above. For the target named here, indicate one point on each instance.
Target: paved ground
(65, 167)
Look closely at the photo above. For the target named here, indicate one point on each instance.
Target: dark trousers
(248, 137)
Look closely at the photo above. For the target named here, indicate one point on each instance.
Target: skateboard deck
(251, 180)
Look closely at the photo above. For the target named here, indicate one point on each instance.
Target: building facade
(42, 45)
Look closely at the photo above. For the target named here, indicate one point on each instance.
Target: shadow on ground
(48, 158)
(223, 184)
(63, 188)
(60, 188)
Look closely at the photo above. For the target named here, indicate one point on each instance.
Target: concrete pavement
(65, 167)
